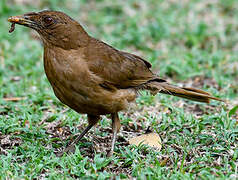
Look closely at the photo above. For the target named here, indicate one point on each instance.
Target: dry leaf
(16, 78)
(27, 124)
(14, 98)
(151, 139)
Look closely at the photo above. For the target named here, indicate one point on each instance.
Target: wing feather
(118, 68)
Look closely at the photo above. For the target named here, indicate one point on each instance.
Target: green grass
(193, 43)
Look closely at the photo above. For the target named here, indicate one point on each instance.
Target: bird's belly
(93, 103)
(80, 102)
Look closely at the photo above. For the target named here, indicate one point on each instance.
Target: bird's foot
(69, 149)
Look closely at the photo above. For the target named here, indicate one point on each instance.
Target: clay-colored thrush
(92, 77)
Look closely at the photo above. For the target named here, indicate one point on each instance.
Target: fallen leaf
(14, 98)
(60, 130)
(16, 78)
(151, 139)
(27, 124)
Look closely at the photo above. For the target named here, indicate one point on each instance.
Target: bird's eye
(48, 20)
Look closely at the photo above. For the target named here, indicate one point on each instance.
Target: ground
(189, 43)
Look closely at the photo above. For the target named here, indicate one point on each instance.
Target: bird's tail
(188, 93)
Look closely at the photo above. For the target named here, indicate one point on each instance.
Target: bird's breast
(64, 66)
(65, 72)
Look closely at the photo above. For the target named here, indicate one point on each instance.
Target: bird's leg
(116, 125)
(92, 120)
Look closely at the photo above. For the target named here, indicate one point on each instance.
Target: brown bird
(92, 77)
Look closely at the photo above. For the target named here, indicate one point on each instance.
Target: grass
(191, 43)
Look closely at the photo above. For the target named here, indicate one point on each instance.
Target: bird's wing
(118, 68)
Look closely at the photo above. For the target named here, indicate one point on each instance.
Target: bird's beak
(22, 20)
(28, 20)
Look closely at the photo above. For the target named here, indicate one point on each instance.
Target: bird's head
(55, 28)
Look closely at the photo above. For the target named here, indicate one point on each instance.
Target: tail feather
(188, 93)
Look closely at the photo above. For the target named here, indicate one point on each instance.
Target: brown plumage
(90, 76)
